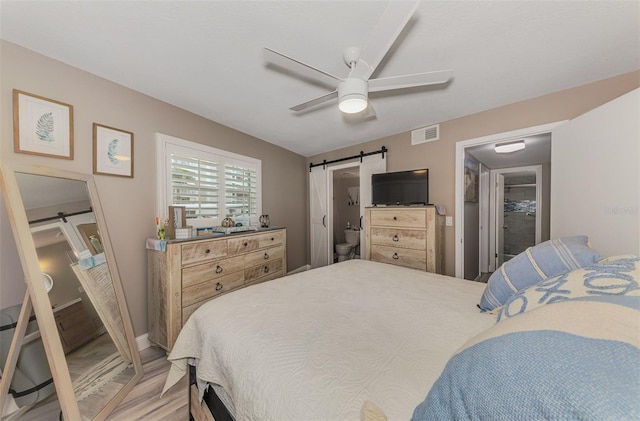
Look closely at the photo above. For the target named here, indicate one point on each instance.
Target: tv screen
(400, 188)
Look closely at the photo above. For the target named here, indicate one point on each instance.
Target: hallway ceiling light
(510, 146)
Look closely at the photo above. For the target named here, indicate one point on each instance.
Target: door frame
(494, 226)
(459, 179)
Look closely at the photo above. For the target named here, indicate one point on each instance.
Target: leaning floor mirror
(71, 349)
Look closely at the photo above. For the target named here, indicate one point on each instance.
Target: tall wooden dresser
(188, 273)
(408, 236)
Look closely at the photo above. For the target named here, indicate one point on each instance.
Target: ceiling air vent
(425, 134)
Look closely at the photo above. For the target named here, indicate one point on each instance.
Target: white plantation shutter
(240, 190)
(194, 184)
(208, 182)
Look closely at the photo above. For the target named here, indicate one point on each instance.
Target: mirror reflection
(81, 293)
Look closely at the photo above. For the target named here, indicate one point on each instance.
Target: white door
(370, 165)
(318, 217)
(484, 219)
(500, 227)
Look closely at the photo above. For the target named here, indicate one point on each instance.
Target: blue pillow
(543, 261)
(574, 360)
(613, 276)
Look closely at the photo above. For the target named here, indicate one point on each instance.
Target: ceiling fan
(352, 92)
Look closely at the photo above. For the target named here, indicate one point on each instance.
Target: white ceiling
(206, 56)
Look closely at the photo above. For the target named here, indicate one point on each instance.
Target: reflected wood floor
(142, 403)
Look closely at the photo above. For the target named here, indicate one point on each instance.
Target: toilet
(347, 250)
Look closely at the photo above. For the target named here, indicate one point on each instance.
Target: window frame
(166, 144)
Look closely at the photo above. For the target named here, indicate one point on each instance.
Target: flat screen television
(400, 188)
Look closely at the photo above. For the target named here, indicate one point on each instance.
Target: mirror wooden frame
(37, 298)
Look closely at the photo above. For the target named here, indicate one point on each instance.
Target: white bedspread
(316, 345)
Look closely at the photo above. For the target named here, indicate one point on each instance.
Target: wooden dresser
(75, 325)
(406, 236)
(191, 272)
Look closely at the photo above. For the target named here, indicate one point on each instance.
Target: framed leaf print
(112, 151)
(42, 126)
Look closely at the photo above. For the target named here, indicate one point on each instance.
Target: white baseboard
(143, 342)
(300, 269)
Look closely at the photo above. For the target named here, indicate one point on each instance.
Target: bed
(366, 340)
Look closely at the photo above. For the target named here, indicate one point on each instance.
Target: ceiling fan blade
(392, 22)
(369, 112)
(408, 81)
(299, 67)
(317, 101)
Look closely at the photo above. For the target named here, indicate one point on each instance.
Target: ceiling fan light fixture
(510, 147)
(352, 104)
(353, 95)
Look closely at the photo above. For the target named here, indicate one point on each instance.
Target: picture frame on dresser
(177, 219)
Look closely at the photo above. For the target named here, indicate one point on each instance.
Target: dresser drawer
(410, 218)
(254, 242)
(254, 273)
(209, 289)
(211, 271)
(416, 259)
(203, 251)
(404, 238)
(263, 256)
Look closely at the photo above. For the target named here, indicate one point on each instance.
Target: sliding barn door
(319, 234)
(370, 165)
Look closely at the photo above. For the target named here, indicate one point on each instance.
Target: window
(210, 183)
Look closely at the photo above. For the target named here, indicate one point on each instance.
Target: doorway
(514, 223)
(345, 208)
(326, 224)
(476, 235)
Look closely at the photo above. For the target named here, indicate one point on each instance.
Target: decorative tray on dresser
(184, 274)
(410, 236)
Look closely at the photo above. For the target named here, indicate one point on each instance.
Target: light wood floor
(142, 403)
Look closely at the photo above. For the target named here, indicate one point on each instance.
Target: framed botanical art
(42, 126)
(112, 151)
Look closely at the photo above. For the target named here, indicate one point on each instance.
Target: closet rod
(60, 215)
(324, 163)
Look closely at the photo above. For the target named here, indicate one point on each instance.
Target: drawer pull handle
(395, 256)
(395, 218)
(207, 251)
(266, 269)
(272, 238)
(218, 286)
(219, 269)
(246, 244)
(395, 238)
(266, 256)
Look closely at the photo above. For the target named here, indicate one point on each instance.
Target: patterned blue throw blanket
(577, 358)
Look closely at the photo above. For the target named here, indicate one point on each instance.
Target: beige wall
(129, 204)
(439, 156)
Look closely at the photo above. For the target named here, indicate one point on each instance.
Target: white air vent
(425, 134)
